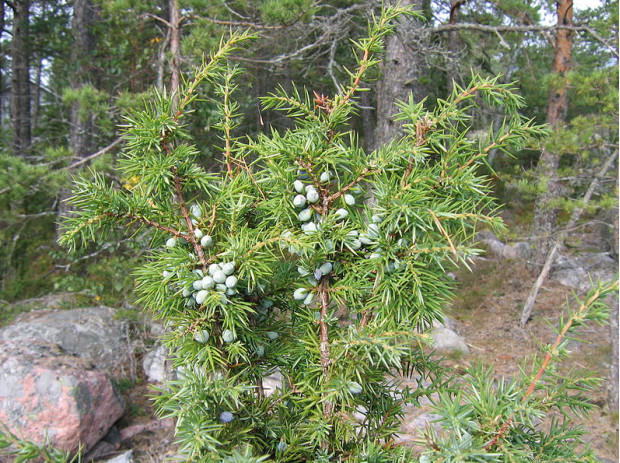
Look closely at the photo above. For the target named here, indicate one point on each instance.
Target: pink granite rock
(46, 392)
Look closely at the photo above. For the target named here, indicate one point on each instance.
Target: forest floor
(486, 311)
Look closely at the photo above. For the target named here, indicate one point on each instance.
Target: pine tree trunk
(161, 62)
(2, 9)
(84, 18)
(36, 97)
(81, 141)
(404, 66)
(612, 400)
(545, 216)
(20, 78)
(454, 42)
(175, 49)
(367, 121)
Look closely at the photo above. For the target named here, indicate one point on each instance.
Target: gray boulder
(577, 271)
(569, 272)
(46, 392)
(446, 340)
(499, 250)
(156, 365)
(93, 334)
(125, 457)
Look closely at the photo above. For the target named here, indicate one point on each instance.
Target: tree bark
(404, 66)
(81, 140)
(367, 121)
(454, 41)
(84, 19)
(20, 78)
(36, 98)
(2, 9)
(545, 216)
(612, 400)
(161, 61)
(175, 49)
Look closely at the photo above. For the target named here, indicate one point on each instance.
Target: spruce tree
(304, 255)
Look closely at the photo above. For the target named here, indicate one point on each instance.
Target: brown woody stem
(190, 237)
(324, 338)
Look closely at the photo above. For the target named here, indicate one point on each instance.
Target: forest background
(70, 71)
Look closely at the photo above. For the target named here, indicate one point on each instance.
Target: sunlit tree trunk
(545, 216)
(454, 42)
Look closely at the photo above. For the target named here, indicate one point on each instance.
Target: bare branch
(327, 29)
(101, 152)
(330, 65)
(156, 18)
(100, 249)
(526, 28)
(248, 24)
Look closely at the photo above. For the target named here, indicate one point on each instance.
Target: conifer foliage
(304, 255)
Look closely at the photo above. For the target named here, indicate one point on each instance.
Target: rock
(101, 451)
(486, 235)
(156, 329)
(523, 250)
(155, 365)
(272, 382)
(46, 392)
(413, 426)
(125, 457)
(508, 252)
(495, 248)
(446, 340)
(576, 272)
(93, 334)
(600, 265)
(569, 272)
(151, 426)
(608, 231)
(113, 437)
(446, 323)
(499, 250)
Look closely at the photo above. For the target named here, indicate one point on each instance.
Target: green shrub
(309, 256)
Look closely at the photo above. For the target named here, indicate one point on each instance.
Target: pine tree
(305, 255)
